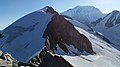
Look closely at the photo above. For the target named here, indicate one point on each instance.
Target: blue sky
(11, 10)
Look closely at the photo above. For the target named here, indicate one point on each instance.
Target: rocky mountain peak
(109, 20)
(50, 10)
(60, 32)
(115, 11)
(114, 18)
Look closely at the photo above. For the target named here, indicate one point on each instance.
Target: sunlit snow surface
(84, 14)
(23, 39)
(106, 56)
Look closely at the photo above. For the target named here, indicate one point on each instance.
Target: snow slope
(84, 14)
(109, 26)
(107, 56)
(23, 39)
(79, 24)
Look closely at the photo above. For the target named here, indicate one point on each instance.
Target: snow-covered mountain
(109, 26)
(23, 39)
(65, 41)
(84, 14)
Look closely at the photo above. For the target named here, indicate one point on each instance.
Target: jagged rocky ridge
(43, 59)
(6, 60)
(46, 59)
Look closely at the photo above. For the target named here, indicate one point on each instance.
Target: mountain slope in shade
(84, 14)
(23, 39)
(109, 26)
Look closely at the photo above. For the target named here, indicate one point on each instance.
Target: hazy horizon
(11, 10)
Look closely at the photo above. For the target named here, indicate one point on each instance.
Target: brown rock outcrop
(61, 32)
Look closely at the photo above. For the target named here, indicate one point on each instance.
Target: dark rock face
(53, 61)
(7, 60)
(45, 59)
(1, 35)
(62, 32)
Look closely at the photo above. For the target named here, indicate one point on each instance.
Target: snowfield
(21, 35)
(106, 56)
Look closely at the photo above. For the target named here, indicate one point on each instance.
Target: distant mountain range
(79, 37)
